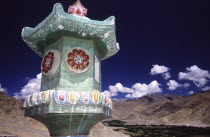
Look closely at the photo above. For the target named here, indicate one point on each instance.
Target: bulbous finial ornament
(77, 9)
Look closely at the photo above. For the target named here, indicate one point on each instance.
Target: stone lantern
(70, 101)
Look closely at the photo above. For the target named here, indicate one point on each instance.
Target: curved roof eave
(59, 20)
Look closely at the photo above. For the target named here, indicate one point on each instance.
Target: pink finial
(77, 9)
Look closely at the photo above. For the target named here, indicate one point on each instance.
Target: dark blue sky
(172, 33)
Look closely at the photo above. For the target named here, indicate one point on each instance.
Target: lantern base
(69, 125)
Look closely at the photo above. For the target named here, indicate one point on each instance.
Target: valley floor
(159, 130)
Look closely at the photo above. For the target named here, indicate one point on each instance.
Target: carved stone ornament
(77, 9)
(71, 98)
(78, 60)
(50, 63)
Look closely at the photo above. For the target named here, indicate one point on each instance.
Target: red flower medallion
(78, 60)
(48, 62)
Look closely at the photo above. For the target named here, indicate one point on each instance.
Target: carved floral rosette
(77, 60)
(50, 63)
(69, 98)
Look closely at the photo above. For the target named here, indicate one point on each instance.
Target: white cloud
(33, 86)
(186, 85)
(136, 91)
(144, 89)
(166, 75)
(199, 77)
(173, 85)
(119, 87)
(108, 94)
(206, 88)
(157, 69)
(114, 89)
(191, 92)
(3, 89)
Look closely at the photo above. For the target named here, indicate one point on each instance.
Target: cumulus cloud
(108, 94)
(206, 88)
(114, 89)
(199, 76)
(157, 69)
(173, 85)
(144, 89)
(191, 92)
(164, 71)
(136, 91)
(33, 86)
(166, 75)
(3, 89)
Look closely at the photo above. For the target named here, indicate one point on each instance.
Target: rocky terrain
(191, 110)
(156, 109)
(13, 122)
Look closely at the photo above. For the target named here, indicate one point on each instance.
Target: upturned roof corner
(59, 23)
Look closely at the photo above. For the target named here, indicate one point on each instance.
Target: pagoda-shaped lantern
(72, 46)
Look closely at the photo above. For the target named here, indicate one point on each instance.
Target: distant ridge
(158, 109)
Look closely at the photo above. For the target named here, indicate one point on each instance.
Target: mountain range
(159, 109)
(153, 109)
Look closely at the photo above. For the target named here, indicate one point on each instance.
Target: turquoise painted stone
(70, 101)
(60, 23)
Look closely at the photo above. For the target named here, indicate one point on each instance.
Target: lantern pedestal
(69, 124)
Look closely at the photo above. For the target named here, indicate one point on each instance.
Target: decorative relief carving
(69, 98)
(78, 60)
(101, 29)
(77, 9)
(96, 97)
(84, 98)
(73, 97)
(50, 63)
(59, 97)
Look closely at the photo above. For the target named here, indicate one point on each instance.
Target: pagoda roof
(59, 23)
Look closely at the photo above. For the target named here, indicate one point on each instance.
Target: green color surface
(67, 80)
(60, 23)
(62, 32)
(69, 124)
